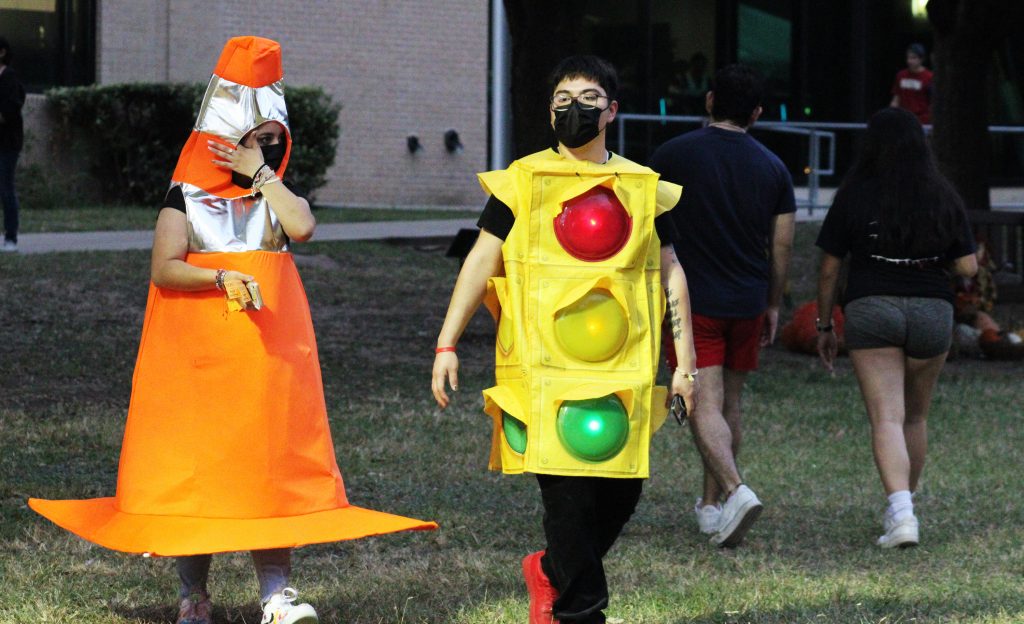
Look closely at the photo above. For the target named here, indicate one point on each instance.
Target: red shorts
(733, 343)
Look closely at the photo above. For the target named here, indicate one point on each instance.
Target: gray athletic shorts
(921, 326)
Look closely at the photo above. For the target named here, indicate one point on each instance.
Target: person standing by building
(12, 99)
(912, 89)
(573, 256)
(905, 229)
(735, 223)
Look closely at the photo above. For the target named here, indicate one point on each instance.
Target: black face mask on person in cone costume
(576, 126)
(273, 156)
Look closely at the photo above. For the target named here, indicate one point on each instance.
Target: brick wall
(398, 67)
(131, 41)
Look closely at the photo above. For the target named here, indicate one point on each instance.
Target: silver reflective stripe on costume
(230, 110)
(216, 224)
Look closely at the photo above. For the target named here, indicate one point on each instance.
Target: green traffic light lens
(593, 430)
(515, 432)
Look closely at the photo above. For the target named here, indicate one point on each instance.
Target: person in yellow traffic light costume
(574, 261)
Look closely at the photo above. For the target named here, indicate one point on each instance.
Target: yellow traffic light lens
(515, 432)
(594, 328)
(593, 430)
(593, 226)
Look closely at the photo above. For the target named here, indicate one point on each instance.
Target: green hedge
(132, 134)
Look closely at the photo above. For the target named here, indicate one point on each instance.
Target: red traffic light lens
(593, 226)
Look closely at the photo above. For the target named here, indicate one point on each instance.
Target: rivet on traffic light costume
(227, 445)
(579, 313)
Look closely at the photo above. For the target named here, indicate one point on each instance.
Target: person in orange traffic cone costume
(227, 445)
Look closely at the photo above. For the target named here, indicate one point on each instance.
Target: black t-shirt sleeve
(497, 218)
(668, 231)
(964, 244)
(174, 199)
(834, 236)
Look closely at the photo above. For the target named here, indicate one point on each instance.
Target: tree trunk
(967, 33)
(542, 34)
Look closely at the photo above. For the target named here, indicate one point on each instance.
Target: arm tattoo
(676, 322)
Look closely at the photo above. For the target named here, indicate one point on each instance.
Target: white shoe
(708, 516)
(738, 513)
(902, 533)
(281, 609)
(9, 246)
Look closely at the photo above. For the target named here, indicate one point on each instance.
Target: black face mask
(273, 155)
(577, 126)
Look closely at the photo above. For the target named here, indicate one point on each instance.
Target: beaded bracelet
(262, 176)
(218, 281)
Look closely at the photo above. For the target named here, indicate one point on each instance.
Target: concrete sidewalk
(143, 239)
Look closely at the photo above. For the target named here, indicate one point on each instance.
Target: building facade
(398, 69)
(404, 69)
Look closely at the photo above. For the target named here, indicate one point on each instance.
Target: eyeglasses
(588, 100)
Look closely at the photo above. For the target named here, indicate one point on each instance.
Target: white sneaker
(902, 533)
(738, 513)
(281, 609)
(708, 516)
(9, 246)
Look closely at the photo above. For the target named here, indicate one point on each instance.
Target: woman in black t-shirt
(905, 229)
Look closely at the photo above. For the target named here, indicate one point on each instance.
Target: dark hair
(6, 47)
(738, 90)
(918, 209)
(918, 49)
(589, 67)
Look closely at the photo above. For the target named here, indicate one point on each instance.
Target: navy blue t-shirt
(733, 188)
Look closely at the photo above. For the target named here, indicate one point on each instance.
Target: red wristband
(444, 350)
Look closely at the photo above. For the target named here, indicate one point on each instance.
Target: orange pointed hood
(244, 92)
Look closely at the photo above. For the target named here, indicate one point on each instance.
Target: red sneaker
(542, 594)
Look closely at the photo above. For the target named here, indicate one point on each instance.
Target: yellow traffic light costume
(579, 313)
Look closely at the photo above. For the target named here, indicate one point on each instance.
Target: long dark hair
(919, 210)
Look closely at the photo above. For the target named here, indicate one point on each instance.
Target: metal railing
(821, 140)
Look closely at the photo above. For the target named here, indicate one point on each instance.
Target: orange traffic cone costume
(227, 445)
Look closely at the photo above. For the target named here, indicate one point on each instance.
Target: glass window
(765, 42)
(52, 41)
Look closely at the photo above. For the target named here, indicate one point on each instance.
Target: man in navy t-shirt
(735, 223)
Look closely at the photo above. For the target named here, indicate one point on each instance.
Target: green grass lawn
(70, 328)
(102, 218)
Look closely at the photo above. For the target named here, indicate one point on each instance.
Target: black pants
(583, 517)
(9, 199)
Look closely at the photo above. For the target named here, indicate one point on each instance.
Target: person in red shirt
(912, 88)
